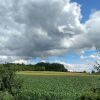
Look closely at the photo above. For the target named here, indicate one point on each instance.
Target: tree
(97, 64)
(8, 80)
(97, 67)
(93, 72)
(51, 67)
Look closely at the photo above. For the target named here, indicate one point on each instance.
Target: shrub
(92, 94)
(10, 84)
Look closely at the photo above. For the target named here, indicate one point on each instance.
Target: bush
(6, 96)
(92, 94)
(10, 84)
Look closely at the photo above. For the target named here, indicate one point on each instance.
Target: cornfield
(52, 87)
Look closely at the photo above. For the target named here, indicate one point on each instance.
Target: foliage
(56, 87)
(46, 87)
(93, 72)
(10, 85)
(39, 67)
(6, 96)
(97, 67)
(52, 66)
(93, 94)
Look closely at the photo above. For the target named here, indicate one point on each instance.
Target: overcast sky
(49, 30)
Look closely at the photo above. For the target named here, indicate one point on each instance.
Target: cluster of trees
(51, 66)
(38, 67)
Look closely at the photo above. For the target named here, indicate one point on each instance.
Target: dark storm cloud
(35, 28)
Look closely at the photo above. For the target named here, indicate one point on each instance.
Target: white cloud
(21, 61)
(36, 28)
(95, 57)
(80, 67)
(77, 67)
(82, 57)
(91, 36)
(5, 59)
(82, 51)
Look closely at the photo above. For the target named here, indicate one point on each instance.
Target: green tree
(9, 82)
(97, 67)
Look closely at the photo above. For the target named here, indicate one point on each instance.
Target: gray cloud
(35, 28)
(30, 27)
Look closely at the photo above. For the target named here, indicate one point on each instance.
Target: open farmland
(51, 73)
(56, 85)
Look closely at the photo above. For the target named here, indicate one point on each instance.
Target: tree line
(41, 66)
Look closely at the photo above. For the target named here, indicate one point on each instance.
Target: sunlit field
(51, 73)
(56, 85)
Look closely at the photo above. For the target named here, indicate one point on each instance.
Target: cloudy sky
(65, 31)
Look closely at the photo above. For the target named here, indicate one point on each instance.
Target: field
(51, 73)
(56, 85)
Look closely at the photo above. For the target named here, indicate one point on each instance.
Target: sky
(88, 7)
(63, 31)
